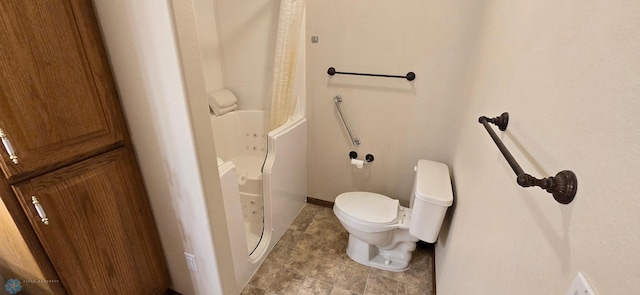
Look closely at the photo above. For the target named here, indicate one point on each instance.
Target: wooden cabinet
(98, 235)
(57, 100)
(71, 157)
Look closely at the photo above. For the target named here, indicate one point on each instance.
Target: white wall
(210, 52)
(165, 117)
(569, 75)
(248, 34)
(398, 121)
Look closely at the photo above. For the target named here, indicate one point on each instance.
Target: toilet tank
(431, 196)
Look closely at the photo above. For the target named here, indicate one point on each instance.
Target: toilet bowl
(382, 233)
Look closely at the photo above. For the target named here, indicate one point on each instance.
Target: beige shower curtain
(289, 26)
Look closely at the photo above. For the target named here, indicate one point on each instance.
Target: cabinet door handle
(8, 147)
(40, 210)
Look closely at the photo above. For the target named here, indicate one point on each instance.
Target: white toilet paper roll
(358, 163)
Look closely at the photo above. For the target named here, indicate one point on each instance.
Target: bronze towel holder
(563, 186)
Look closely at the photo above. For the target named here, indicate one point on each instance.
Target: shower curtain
(289, 23)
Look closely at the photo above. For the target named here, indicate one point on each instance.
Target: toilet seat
(367, 211)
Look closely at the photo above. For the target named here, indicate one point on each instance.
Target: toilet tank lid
(368, 207)
(434, 183)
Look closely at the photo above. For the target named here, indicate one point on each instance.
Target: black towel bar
(563, 186)
(409, 76)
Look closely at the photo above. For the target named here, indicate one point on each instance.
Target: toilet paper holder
(368, 158)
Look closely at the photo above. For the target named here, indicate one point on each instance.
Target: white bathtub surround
(259, 193)
(271, 189)
(285, 177)
(289, 27)
(235, 221)
(239, 139)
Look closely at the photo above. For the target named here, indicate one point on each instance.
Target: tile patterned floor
(311, 258)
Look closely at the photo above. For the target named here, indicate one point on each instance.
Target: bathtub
(263, 180)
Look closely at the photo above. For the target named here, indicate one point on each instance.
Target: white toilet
(382, 233)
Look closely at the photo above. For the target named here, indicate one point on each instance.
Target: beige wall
(168, 121)
(569, 75)
(247, 36)
(398, 121)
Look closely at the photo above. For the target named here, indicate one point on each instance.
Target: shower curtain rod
(563, 186)
(410, 76)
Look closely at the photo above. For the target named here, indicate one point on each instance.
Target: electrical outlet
(191, 261)
(580, 286)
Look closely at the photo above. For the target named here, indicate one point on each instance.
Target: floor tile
(300, 262)
(380, 285)
(278, 256)
(327, 270)
(353, 279)
(265, 275)
(385, 273)
(416, 275)
(251, 290)
(286, 283)
(303, 220)
(328, 229)
(341, 291)
(407, 289)
(315, 287)
(311, 258)
(290, 238)
(311, 244)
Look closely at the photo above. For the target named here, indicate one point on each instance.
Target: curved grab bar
(354, 139)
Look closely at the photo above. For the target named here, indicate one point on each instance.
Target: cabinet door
(57, 98)
(100, 237)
